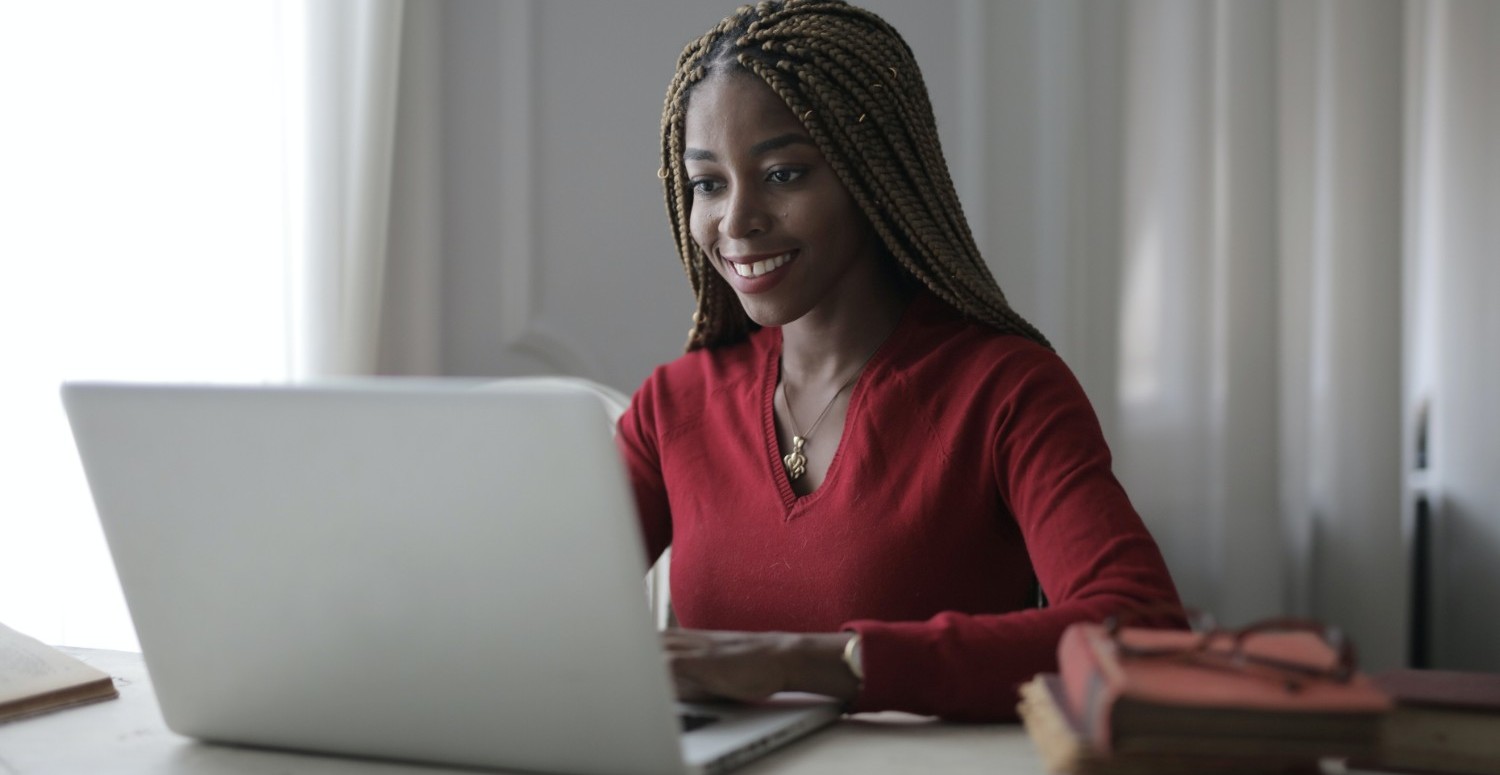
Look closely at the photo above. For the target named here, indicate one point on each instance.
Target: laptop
(414, 570)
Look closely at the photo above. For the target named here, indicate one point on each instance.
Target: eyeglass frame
(1202, 624)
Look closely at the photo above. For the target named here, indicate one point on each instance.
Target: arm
(637, 438)
(1087, 545)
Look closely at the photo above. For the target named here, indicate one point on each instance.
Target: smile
(761, 267)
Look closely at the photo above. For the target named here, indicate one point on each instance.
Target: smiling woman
(888, 552)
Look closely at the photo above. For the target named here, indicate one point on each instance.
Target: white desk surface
(127, 736)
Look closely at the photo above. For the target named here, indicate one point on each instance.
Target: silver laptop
(413, 570)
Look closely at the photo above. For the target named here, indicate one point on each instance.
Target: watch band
(853, 657)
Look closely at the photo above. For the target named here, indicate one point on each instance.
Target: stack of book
(1130, 700)
(1444, 721)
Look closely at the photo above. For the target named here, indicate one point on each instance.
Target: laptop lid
(407, 570)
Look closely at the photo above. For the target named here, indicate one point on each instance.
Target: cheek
(699, 226)
(854, 230)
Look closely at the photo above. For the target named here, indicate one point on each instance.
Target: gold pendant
(795, 461)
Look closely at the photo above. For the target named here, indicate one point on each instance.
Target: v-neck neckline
(793, 504)
(790, 500)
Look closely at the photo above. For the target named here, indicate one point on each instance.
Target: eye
(784, 175)
(705, 186)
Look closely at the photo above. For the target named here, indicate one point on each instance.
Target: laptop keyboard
(692, 721)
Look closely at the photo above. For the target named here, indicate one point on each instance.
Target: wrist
(814, 662)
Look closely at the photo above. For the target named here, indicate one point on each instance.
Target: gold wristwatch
(852, 658)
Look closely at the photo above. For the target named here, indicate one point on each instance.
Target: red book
(1063, 749)
(1218, 699)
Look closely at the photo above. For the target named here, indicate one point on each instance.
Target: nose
(744, 214)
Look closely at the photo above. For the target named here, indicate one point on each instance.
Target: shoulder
(1015, 399)
(969, 383)
(712, 369)
(942, 350)
(679, 391)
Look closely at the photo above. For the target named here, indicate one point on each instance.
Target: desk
(128, 737)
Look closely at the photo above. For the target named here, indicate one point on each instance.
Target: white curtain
(1260, 321)
(1219, 212)
(1198, 365)
(343, 142)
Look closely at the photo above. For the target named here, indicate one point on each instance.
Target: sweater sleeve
(637, 437)
(1090, 551)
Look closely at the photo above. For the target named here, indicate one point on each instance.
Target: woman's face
(767, 209)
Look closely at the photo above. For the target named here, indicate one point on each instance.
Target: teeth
(761, 267)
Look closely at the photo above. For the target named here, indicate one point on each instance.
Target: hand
(749, 666)
(744, 666)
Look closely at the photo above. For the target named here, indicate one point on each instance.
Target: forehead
(734, 110)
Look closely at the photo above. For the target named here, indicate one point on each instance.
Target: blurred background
(1263, 233)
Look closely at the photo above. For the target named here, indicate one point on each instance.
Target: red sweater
(970, 459)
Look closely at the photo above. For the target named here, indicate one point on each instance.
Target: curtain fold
(1200, 366)
(1232, 191)
(1342, 158)
(353, 67)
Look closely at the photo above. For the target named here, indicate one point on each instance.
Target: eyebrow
(762, 147)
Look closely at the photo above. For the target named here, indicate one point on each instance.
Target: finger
(688, 692)
(718, 679)
(686, 680)
(683, 642)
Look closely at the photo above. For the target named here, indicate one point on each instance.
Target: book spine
(1089, 692)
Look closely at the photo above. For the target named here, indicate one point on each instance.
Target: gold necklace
(794, 461)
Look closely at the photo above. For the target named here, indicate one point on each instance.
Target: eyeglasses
(1213, 647)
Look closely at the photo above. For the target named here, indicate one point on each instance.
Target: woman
(866, 459)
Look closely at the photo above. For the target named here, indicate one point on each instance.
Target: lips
(757, 273)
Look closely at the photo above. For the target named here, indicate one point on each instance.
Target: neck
(832, 342)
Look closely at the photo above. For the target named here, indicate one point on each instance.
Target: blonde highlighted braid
(854, 84)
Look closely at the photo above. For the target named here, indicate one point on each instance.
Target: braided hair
(854, 84)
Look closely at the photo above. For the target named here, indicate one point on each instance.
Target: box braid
(854, 84)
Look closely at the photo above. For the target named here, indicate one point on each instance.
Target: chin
(769, 315)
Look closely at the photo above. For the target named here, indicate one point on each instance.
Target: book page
(29, 667)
